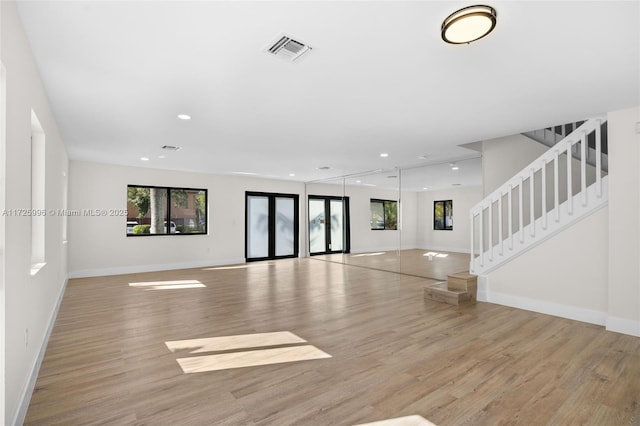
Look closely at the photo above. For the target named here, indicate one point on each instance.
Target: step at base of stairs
(441, 292)
(462, 281)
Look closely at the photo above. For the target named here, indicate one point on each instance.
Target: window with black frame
(443, 215)
(384, 214)
(154, 210)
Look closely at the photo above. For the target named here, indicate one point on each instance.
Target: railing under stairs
(548, 195)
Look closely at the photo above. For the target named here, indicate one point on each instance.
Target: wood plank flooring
(411, 262)
(393, 354)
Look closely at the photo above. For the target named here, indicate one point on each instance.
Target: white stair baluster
(532, 210)
(569, 182)
(556, 185)
(500, 225)
(583, 167)
(598, 159)
(543, 188)
(510, 217)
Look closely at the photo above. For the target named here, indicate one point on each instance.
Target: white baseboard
(549, 308)
(25, 397)
(624, 326)
(120, 270)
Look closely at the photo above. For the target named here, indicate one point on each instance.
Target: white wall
(564, 276)
(624, 222)
(456, 240)
(590, 271)
(503, 157)
(99, 245)
(30, 302)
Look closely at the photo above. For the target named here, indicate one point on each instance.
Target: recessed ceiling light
(292, 174)
(144, 158)
(425, 188)
(184, 116)
(455, 168)
(384, 155)
(162, 156)
(468, 24)
(358, 181)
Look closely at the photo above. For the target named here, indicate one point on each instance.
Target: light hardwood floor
(410, 262)
(392, 354)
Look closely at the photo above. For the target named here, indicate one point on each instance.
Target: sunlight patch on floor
(254, 358)
(402, 421)
(258, 351)
(168, 285)
(241, 341)
(219, 268)
(434, 254)
(380, 253)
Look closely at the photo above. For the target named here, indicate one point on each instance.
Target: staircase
(552, 135)
(565, 184)
(460, 288)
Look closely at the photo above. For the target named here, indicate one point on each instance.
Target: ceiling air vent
(171, 148)
(288, 49)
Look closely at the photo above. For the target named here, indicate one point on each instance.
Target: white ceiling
(379, 79)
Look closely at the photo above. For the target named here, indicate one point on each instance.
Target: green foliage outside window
(384, 214)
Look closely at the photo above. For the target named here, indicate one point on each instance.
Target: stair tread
(443, 288)
(464, 275)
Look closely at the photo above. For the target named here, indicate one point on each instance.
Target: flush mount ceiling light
(469, 24)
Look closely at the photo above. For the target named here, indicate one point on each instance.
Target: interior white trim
(624, 326)
(3, 150)
(25, 397)
(549, 308)
(119, 270)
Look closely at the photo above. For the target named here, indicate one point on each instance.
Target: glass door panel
(257, 226)
(337, 228)
(328, 224)
(285, 217)
(317, 239)
(272, 226)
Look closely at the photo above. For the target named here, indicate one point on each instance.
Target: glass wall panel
(258, 227)
(285, 215)
(391, 216)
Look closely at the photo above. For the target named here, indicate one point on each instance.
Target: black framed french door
(328, 225)
(271, 226)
